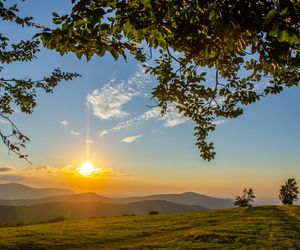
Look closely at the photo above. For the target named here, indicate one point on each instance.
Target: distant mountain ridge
(80, 210)
(12, 191)
(81, 197)
(22, 204)
(188, 198)
(14, 194)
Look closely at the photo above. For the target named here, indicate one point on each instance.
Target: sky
(106, 117)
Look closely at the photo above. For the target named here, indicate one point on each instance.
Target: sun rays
(87, 169)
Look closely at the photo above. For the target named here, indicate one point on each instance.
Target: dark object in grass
(57, 219)
(153, 212)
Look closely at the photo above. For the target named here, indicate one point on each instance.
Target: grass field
(272, 227)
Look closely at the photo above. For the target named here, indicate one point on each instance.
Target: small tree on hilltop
(288, 193)
(245, 200)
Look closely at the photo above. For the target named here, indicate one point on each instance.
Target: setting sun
(86, 169)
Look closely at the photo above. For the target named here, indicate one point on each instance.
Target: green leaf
(275, 29)
(80, 22)
(284, 11)
(270, 16)
(55, 14)
(283, 36)
(146, 3)
(212, 16)
(57, 20)
(115, 54)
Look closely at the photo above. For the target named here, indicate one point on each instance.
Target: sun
(86, 169)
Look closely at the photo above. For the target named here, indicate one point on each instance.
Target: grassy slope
(256, 228)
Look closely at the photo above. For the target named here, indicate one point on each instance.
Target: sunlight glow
(86, 169)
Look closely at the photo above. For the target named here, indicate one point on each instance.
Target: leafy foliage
(252, 46)
(288, 192)
(21, 93)
(245, 200)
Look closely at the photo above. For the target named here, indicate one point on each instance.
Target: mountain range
(79, 210)
(22, 204)
(11, 191)
(188, 198)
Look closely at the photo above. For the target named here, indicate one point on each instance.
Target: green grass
(271, 227)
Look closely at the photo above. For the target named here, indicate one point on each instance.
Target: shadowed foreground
(274, 227)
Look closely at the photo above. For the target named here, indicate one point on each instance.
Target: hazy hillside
(12, 191)
(239, 228)
(14, 194)
(188, 198)
(78, 210)
(82, 197)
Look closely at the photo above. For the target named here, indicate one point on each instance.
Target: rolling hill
(80, 210)
(188, 198)
(40, 205)
(14, 194)
(11, 191)
(81, 197)
(271, 227)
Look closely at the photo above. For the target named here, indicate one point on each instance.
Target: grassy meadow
(269, 227)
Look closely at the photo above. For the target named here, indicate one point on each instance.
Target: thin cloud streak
(17, 174)
(65, 123)
(11, 177)
(219, 122)
(5, 169)
(107, 102)
(89, 141)
(130, 139)
(73, 132)
(171, 119)
(3, 121)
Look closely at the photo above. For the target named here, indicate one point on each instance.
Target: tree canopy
(251, 46)
(246, 199)
(288, 192)
(21, 93)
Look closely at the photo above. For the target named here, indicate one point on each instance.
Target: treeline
(288, 193)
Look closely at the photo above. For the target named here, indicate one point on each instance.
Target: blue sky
(145, 153)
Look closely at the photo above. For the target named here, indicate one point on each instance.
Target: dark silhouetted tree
(288, 192)
(20, 93)
(245, 200)
(252, 48)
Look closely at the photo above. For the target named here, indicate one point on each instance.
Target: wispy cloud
(175, 121)
(2, 121)
(107, 102)
(171, 119)
(89, 141)
(120, 126)
(73, 132)
(223, 121)
(131, 139)
(44, 172)
(5, 169)
(11, 177)
(65, 123)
